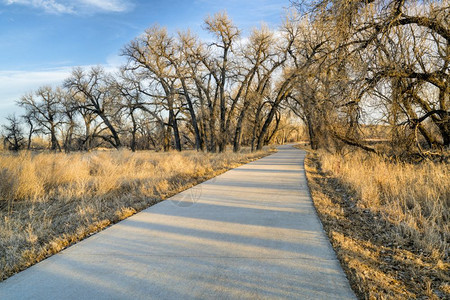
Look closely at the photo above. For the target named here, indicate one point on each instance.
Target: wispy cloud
(74, 7)
(49, 6)
(15, 84)
(108, 5)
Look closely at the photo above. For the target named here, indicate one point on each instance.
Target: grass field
(51, 200)
(388, 222)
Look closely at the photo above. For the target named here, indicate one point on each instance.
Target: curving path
(251, 232)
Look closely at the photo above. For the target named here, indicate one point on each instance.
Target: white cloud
(49, 6)
(114, 61)
(74, 7)
(53, 6)
(15, 84)
(108, 5)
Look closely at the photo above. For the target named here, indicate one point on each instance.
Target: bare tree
(13, 134)
(33, 128)
(69, 112)
(198, 63)
(290, 72)
(256, 56)
(149, 54)
(129, 86)
(92, 89)
(193, 94)
(44, 107)
(226, 33)
(391, 55)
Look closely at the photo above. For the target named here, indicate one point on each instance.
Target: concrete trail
(251, 232)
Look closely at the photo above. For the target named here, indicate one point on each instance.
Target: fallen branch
(354, 143)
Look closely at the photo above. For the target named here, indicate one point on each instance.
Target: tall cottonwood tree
(255, 58)
(152, 55)
(226, 34)
(200, 72)
(282, 88)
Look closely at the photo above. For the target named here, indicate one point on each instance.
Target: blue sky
(41, 40)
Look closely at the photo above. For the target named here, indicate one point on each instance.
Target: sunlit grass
(387, 221)
(415, 197)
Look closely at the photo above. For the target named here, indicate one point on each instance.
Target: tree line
(339, 65)
(175, 91)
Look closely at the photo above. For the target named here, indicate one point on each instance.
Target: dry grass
(388, 222)
(49, 201)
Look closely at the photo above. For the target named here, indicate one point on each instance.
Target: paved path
(251, 232)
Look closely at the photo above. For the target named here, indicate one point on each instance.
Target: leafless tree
(13, 134)
(93, 91)
(33, 128)
(151, 54)
(44, 107)
(392, 55)
(226, 33)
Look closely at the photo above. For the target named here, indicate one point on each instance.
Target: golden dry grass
(49, 201)
(414, 197)
(388, 222)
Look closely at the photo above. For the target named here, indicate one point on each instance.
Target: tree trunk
(277, 124)
(54, 141)
(255, 127)
(265, 127)
(167, 137)
(212, 135)
(444, 128)
(223, 108)
(198, 139)
(68, 139)
(311, 133)
(116, 143)
(133, 133)
(30, 134)
(238, 132)
(176, 133)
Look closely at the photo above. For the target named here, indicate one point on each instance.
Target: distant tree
(129, 86)
(33, 128)
(13, 133)
(44, 108)
(95, 95)
(68, 112)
